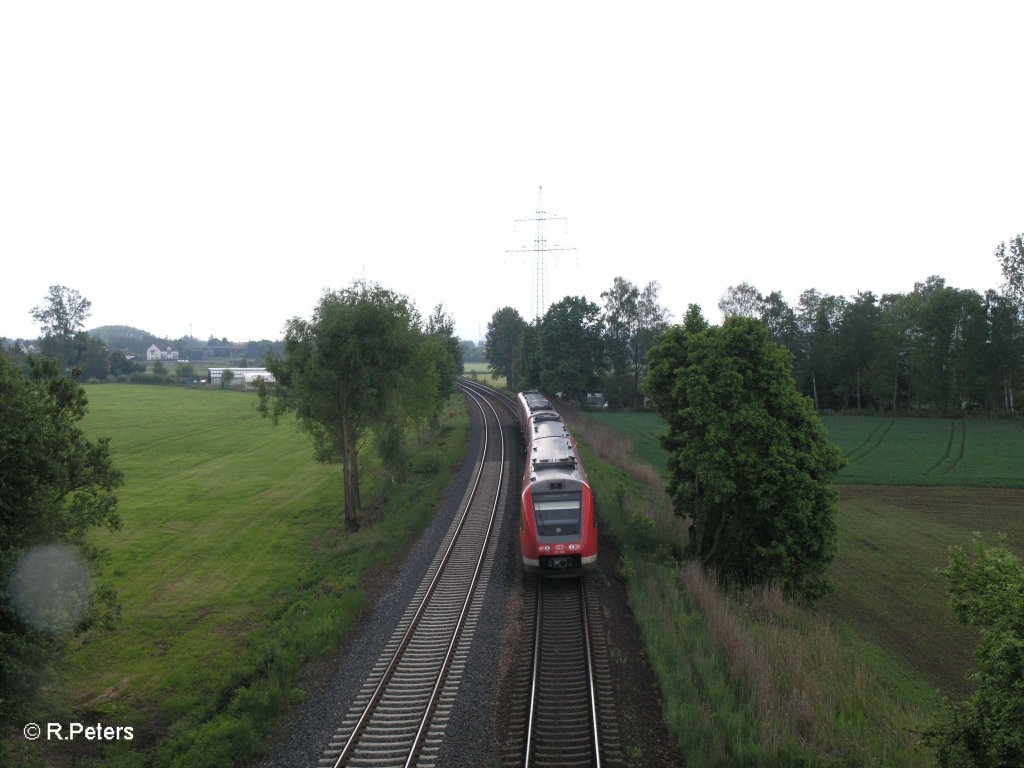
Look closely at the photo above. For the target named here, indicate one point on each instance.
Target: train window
(558, 514)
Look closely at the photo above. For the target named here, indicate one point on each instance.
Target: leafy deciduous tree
(743, 300)
(632, 319)
(62, 320)
(344, 372)
(570, 347)
(1011, 260)
(64, 312)
(504, 341)
(985, 729)
(752, 465)
(55, 485)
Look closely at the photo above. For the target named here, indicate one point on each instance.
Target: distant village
(123, 354)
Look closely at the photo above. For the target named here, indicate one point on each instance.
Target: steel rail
(396, 657)
(446, 664)
(590, 676)
(594, 736)
(533, 678)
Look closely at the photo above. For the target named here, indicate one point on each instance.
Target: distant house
(156, 353)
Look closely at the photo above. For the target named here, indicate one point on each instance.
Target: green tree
(95, 360)
(743, 300)
(504, 340)
(440, 329)
(752, 465)
(55, 485)
(781, 321)
(1011, 261)
(62, 317)
(570, 347)
(528, 360)
(345, 372)
(858, 332)
(119, 363)
(631, 318)
(821, 316)
(947, 357)
(64, 312)
(985, 729)
(1004, 350)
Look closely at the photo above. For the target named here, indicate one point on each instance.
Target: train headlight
(572, 546)
(547, 547)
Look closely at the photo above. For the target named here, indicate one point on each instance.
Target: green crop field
(979, 453)
(895, 531)
(983, 453)
(231, 567)
(875, 656)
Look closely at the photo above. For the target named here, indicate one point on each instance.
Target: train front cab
(558, 533)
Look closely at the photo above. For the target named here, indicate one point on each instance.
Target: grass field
(971, 453)
(912, 488)
(230, 568)
(981, 453)
(887, 592)
(203, 474)
(482, 371)
(746, 678)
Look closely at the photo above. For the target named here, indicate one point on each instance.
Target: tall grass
(746, 678)
(812, 696)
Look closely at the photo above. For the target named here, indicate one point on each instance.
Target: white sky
(218, 164)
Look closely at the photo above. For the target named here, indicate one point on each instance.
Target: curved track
(563, 703)
(400, 714)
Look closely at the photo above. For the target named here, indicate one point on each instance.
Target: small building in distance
(240, 378)
(157, 353)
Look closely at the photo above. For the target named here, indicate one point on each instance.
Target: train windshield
(558, 514)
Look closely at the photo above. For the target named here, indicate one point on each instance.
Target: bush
(428, 462)
(985, 729)
(149, 378)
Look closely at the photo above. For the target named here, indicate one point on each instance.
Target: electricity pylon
(540, 249)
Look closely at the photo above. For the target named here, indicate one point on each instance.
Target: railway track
(562, 708)
(570, 719)
(401, 712)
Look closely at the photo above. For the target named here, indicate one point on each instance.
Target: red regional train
(557, 526)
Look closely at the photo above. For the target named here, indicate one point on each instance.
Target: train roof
(535, 401)
(552, 450)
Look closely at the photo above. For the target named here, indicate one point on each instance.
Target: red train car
(557, 525)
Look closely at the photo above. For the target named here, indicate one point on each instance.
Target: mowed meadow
(231, 569)
(878, 652)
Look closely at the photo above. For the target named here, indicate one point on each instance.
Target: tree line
(580, 347)
(108, 350)
(936, 349)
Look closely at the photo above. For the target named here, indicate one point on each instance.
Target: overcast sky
(215, 166)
